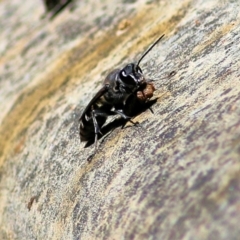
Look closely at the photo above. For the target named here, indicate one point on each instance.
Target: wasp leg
(97, 129)
(120, 112)
(151, 110)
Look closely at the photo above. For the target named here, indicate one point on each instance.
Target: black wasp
(122, 90)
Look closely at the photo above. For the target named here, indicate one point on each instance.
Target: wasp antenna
(149, 49)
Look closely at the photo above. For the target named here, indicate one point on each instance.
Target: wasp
(122, 92)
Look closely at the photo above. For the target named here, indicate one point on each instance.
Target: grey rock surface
(176, 177)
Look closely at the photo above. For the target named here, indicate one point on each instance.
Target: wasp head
(131, 77)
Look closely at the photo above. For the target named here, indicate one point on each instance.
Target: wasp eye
(124, 73)
(126, 78)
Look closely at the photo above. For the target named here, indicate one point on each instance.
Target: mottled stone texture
(175, 177)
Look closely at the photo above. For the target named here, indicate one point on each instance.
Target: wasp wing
(100, 93)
